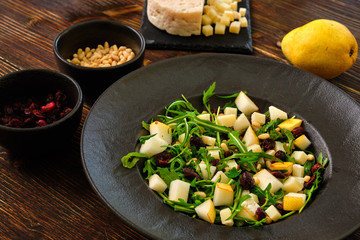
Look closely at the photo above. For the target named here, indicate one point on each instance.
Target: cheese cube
(206, 211)
(204, 116)
(290, 124)
(223, 194)
(288, 166)
(276, 113)
(298, 170)
(211, 12)
(273, 213)
(225, 214)
(231, 164)
(265, 178)
(208, 140)
(153, 146)
(241, 123)
(235, 27)
(162, 130)
(293, 201)
(225, 20)
(220, 28)
(230, 111)
(179, 190)
(229, 14)
(234, 6)
(302, 142)
(220, 175)
(226, 120)
(250, 137)
(254, 148)
(300, 157)
(157, 184)
(207, 30)
(242, 11)
(293, 184)
(243, 22)
(206, 20)
(204, 171)
(258, 117)
(245, 104)
(236, 15)
(222, 6)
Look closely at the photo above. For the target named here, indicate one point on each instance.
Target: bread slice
(177, 17)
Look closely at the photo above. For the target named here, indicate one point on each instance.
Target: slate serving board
(234, 43)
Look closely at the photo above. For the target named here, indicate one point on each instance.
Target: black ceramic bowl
(21, 85)
(91, 33)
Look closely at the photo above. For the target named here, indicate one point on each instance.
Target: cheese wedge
(177, 17)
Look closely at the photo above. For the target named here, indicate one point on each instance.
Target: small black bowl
(94, 81)
(37, 141)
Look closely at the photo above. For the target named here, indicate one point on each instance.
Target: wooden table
(53, 200)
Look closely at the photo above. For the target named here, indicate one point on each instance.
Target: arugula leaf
(234, 137)
(143, 139)
(130, 159)
(233, 173)
(149, 168)
(207, 95)
(145, 125)
(168, 175)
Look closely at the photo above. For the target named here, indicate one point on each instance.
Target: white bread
(177, 17)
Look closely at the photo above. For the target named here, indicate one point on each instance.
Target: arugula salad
(230, 164)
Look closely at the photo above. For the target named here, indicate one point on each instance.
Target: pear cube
(288, 166)
(223, 195)
(265, 178)
(157, 184)
(273, 213)
(254, 148)
(298, 170)
(230, 111)
(220, 175)
(245, 104)
(204, 116)
(208, 140)
(231, 164)
(250, 137)
(276, 113)
(258, 117)
(162, 130)
(179, 190)
(241, 123)
(300, 157)
(249, 209)
(206, 211)
(293, 201)
(153, 146)
(302, 142)
(290, 124)
(293, 184)
(224, 215)
(226, 120)
(204, 172)
(279, 146)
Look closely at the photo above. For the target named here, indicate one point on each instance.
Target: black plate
(234, 43)
(331, 118)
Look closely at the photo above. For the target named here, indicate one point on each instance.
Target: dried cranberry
(65, 112)
(197, 142)
(268, 144)
(262, 201)
(15, 123)
(191, 174)
(162, 159)
(297, 132)
(279, 207)
(278, 174)
(280, 155)
(310, 183)
(316, 167)
(260, 213)
(41, 122)
(228, 153)
(214, 161)
(247, 181)
(48, 107)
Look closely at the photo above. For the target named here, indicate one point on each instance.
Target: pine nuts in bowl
(96, 53)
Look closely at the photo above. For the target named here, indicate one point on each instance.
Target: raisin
(268, 144)
(316, 167)
(278, 174)
(279, 207)
(297, 132)
(260, 213)
(191, 174)
(280, 155)
(228, 153)
(214, 161)
(247, 181)
(197, 142)
(162, 159)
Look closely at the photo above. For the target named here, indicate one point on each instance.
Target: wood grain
(52, 198)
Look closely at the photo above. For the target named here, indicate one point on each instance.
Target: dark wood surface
(52, 199)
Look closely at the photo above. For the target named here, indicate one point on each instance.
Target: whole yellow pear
(323, 47)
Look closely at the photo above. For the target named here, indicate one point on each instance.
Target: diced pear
(162, 130)
(273, 213)
(302, 142)
(153, 146)
(293, 201)
(230, 111)
(244, 213)
(204, 116)
(225, 214)
(298, 170)
(157, 184)
(300, 157)
(231, 164)
(226, 120)
(220, 175)
(245, 104)
(208, 140)
(249, 207)
(258, 117)
(223, 194)
(215, 153)
(265, 178)
(282, 166)
(276, 113)
(241, 123)
(250, 137)
(207, 30)
(179, 190)
(254, 148)
(279, 146)
(206, 211)
(204, 171)
(290, 124)
(235, 27)
(293, 184)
